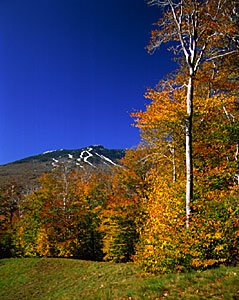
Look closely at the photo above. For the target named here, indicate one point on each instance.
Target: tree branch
(222, 55)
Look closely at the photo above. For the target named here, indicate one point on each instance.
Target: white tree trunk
(174, 165)
(189, 165)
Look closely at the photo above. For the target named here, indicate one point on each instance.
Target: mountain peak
(26, 170)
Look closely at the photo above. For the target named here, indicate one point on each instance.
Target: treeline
(136, 211)
(86, 213)
(149, 209)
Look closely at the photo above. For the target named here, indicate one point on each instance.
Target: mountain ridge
(27, 170)
(57, 152)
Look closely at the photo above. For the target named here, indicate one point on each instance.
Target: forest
(171, 205)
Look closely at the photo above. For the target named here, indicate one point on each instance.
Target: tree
(161, 126)
(61, 218)
(10, 198)
(165, 243)
(199, 31)
(94, 189)
(123, 217)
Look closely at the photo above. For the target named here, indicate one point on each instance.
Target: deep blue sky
(71, 71)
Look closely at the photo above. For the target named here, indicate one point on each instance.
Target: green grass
(42, 278)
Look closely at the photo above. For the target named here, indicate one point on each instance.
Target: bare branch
(199, 59)
(222, 55)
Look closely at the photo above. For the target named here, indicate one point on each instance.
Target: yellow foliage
(42, 243)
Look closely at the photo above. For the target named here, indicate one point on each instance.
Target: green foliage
(59, 220)
(212, 239)
(123, 215)
(7, 247)
(9, 214)
(214, 232)
(120, 236)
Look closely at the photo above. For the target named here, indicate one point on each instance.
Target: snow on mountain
(107, 159)
(25, 172)
(88, 155)
(49, 151)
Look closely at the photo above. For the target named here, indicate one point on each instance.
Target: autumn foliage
(136, 210)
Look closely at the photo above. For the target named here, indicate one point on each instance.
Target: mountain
(25, 172)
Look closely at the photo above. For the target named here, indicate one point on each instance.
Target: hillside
(42, 278)
(25, 172)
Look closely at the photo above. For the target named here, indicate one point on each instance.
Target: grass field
(42, 278)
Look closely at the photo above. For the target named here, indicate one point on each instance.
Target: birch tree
(198, 31)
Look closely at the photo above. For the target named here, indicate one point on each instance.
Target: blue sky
(71, 71)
